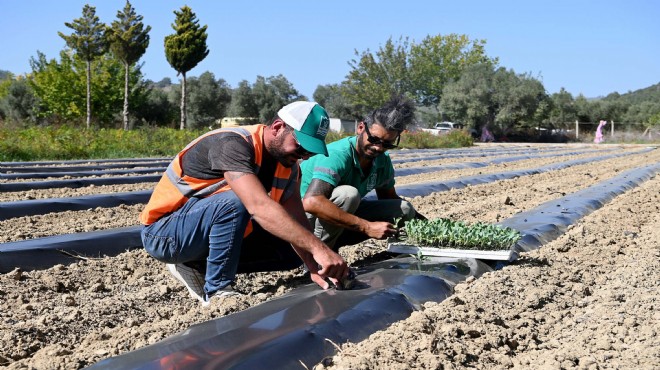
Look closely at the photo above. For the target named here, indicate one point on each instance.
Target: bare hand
(319, 281)
(314, 275)
(332, 266)
(381, 230)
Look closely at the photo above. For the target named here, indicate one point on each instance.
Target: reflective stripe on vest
(173, 190)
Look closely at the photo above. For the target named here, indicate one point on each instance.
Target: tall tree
(331, 98)
(520, 99)
(642, 112)
(420, 70)
(583, 109)
(128, 40)
(59, 87)
(88, 41)
(469, 99)
(563, 108)
(242, 102)
(18, 105)
(484, 97)
(185, 49)
(271, 93)
(157, 109)
(438, 60)
(376, 77)
(208, 100)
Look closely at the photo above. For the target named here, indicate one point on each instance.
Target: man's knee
(346, 197)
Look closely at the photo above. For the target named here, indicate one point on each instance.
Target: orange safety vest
(174, 189)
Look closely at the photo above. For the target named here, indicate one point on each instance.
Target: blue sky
(587, 47)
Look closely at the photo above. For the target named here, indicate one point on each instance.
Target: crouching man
(230, 202)
(333, 186)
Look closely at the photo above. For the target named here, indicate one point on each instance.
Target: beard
(275, 150)
(365, 149)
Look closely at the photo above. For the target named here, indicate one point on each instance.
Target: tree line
(102, 58)
(451, 78)
(98, 80)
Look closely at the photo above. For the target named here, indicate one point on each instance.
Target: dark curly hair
(396, 114)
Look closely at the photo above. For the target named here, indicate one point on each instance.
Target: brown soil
(586, 300)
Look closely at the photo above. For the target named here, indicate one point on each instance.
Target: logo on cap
(324, 126)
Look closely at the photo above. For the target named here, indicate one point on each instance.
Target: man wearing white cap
(230, 202)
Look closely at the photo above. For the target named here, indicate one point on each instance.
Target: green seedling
(419, 256)
(446, 233)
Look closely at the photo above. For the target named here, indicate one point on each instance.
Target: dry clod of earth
(588, 299)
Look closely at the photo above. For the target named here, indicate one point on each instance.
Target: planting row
(72, 316)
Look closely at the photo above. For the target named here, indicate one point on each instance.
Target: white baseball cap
(310, 123)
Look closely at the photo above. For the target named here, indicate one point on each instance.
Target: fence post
(577, 129)
(612, 132)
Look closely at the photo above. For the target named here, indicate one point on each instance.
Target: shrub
(66, 142)
(424, 140)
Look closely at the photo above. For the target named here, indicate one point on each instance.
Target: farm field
(588, 299)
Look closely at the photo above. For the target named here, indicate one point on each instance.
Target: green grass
(427, 140)
(74, 143)
(64, 142)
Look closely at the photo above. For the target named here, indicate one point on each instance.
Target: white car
(447, 126)
(441, 128)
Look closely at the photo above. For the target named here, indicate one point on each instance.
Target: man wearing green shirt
(332, 187)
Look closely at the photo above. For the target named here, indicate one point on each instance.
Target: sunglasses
(378, 141)
(300, 151)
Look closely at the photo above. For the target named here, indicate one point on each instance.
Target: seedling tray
(406, 248)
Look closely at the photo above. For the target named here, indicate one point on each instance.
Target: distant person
(599, 132)
(333, 187)
(486, 135)
(230, 202)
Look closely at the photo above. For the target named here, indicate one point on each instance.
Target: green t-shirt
(341, 167)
